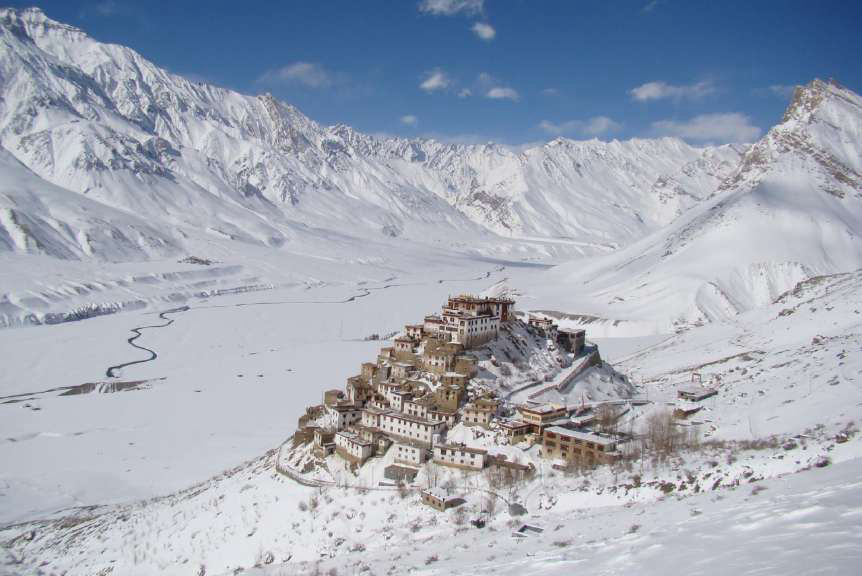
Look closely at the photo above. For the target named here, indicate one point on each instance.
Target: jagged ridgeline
(166, 160)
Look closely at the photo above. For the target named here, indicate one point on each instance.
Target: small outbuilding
(438, 499)
(398, 473)
(696, 393)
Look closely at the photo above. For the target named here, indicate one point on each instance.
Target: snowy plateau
(184, 269)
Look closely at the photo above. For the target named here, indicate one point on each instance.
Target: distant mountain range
(192, 159)
(790, 212)
(105, 156)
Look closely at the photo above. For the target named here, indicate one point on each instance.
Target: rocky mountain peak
(101, 120)
(33, 22)
(821, 129)
(808, 99)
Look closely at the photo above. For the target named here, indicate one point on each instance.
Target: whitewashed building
(448, 417)
(414, 331)
(410, 427)
(404, 344)
(371, 417)
(411, 453)
(478, 413)
(417, 407)
(399, 398)
(402, 370)
(460, 456)
(340, 416)
(472, 321)
(351, 446)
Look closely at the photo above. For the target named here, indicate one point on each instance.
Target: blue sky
(513, 71)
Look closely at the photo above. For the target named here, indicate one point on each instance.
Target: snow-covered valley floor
(232, 376)
(789, 389)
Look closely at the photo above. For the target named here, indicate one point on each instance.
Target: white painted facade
(353, 445)
(399, 398)
(371, 418)
(410, 427)
(340, 416)
(408, 453)
(460, 456)
(419, 409)
(467, 329)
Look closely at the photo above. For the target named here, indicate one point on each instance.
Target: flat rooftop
(438, 493)
(580, 435)
(353, 437)
(513, 424)
(462, 448)
(408, 418)
(541, 408)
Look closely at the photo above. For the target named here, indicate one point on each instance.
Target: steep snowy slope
(100, 120)
(791, 211)
(610, 193)
(38, 217)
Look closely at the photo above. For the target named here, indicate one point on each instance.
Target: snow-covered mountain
(791, 211)
(37, 216)
(198, 160)
(696, 233)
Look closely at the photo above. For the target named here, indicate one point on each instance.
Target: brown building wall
(573, 450)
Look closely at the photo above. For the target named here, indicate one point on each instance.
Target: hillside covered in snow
(259, 258)
(202, 162)
(791, 211)
(777, 461)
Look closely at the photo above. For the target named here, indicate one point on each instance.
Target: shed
(439, 499)
(398, 473)
(696, 393)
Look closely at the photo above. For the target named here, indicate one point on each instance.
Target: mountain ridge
(258, 170)
(791, 211)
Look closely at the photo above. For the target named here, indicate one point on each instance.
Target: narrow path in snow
(532, 384)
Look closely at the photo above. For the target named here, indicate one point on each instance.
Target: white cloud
(495, 89)
(435, 80)
(310, 74)
(661, 90)
(595, 126)
(484, 31)
(718, 128)
(409, 120)
(465, 93)
(599, 125)
(503, 93)
(650, 6)
(561, 128)
(451, 7)
(107, 8)
(550, 92)
(783, 90)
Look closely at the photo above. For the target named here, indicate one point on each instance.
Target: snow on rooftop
(581, 435)
(439, 493)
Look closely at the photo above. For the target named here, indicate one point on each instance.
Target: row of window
(454, 453)
(403, 431)
(577, 444)
(412, 424)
